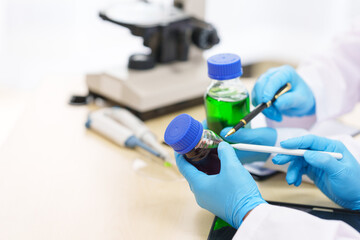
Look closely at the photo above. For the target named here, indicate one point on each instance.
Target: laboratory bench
(59, 180)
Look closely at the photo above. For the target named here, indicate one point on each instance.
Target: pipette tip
(167, 164)
(169, 161)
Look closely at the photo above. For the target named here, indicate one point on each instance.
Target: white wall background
(40, 37)
(280, 29)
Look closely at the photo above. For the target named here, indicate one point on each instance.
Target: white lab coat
(334, 78)
(272, 222)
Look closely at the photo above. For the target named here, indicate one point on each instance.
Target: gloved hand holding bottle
(231, 194)
(299, 101)
(337, 179)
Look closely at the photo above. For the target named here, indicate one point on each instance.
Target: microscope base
(151, 93)
(159, 111)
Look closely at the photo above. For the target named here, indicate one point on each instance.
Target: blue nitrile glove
(231, 194)
(337, 179)
(204, 123)
(259, 136)
(299, 101)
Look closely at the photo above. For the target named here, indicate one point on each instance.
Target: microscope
(173, 76)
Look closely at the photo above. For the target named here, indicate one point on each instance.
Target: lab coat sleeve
(272, 222)
(334, 76)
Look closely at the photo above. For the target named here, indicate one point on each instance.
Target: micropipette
(119, 134)
(140, 130)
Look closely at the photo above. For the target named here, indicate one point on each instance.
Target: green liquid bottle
(226, 99)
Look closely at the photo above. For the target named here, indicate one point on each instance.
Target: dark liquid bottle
(199, 146)
(205, 160)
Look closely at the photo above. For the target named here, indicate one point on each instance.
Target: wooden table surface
(59, 180)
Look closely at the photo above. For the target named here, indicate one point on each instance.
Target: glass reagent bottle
(198, 145)
(226, 99)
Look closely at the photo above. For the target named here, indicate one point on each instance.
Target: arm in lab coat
(334, 76)
(272, 222)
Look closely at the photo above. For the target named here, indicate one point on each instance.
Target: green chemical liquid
(226, 111)
(220, 224)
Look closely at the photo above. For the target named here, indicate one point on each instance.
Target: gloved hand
(299, 101)
(337, 179)
(260, 136)
(231, 194)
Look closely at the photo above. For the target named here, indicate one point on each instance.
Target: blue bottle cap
(183, 133)
(224, 66)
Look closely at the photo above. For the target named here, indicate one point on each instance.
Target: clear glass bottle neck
(209, 139)
(232, 80)
(237, 82)
(227, 90)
